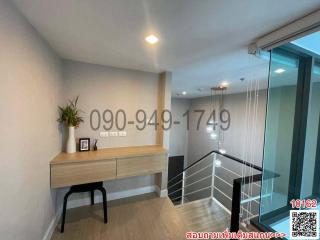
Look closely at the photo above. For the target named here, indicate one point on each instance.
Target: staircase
(217, 192)
(207, 215)
(204, 215)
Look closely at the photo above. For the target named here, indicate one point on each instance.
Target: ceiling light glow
(222, 151)
(224, 84)
(217, 163)
(184, 93)
(280, 70)
(213, 136)
(152, 39)
(209, 129)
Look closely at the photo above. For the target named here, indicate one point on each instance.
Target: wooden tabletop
(108, 153)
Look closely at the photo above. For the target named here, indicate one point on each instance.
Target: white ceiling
(203, 42)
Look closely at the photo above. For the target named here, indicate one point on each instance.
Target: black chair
(89, 187)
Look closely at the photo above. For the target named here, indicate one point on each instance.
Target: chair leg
(92, 197)
(104, 196)
(65, 200)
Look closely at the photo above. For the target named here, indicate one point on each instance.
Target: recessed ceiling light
(184, 93)
(152, 39)
(279, 70)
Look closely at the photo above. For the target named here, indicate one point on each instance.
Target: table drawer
(63, 175)
(143, 165)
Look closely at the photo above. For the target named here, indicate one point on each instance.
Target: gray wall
(33, 83)
(200, 143)
(102, 87)
(30, 91)
(179, 132)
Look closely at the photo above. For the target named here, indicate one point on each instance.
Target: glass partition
(283, 81)
(292, 142)
(310, 174)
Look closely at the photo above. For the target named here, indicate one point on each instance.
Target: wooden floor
(140, 218)
(205, 216)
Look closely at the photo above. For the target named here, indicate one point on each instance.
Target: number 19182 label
(304, 224)
(303, 203)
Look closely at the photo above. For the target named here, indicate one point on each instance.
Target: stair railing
(201, 180)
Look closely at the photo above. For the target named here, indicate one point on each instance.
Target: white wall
(30, 90)
(179, 132)
(34, 81)
(102, 87)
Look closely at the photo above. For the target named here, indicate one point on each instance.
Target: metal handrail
(249, 199)
(236, 195)
(190, 175)
(201, 189)
(237, 184)
(236, 174)
(209, 176)
(221, 154)
(185, 169)
(227, 156)
(198, 181)
(196, 172)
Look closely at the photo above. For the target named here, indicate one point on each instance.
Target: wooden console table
(110, 163)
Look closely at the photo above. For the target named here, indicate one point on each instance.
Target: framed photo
(84, 144)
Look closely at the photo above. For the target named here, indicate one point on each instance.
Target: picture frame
(84, 144)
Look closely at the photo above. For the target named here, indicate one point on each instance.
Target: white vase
(71, 141)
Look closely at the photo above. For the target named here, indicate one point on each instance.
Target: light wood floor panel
(146, 217)
(205, 215)
(140, 218)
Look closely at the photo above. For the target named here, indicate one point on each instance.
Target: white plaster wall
(30, 90)
(101, 87)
